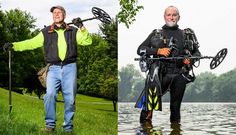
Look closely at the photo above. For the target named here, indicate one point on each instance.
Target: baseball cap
(58, 7)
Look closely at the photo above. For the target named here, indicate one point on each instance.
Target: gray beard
(171, 24)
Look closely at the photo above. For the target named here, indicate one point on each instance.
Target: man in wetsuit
(173, 74)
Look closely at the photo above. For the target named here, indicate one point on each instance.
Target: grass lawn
(94, 116)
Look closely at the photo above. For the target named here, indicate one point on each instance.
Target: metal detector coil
(101, 15)
(98, 14)
(220, 56)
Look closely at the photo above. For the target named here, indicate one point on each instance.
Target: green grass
(94, 116)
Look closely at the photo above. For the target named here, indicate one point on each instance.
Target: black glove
(7, 47)
(77, 22)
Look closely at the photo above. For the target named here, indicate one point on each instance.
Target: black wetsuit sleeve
(196, 51)
(146, 45)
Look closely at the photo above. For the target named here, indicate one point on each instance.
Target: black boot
(176, 128)
(146, 119)
(143, 116)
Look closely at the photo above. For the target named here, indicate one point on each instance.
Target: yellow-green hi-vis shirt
(82, 38)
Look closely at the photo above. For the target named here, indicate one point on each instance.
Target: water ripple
(197, 119)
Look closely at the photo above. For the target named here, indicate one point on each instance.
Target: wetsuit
(172, 73)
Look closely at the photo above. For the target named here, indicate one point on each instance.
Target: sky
(212, 21)
(40, 9)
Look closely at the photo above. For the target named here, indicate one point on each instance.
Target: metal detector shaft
(172, 58)
(10, 99)
(215, 62)
(85, 20)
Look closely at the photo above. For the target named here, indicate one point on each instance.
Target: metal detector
(98, 14)
(9, 65)
(216, 60)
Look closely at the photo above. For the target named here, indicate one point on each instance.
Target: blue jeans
(64, 76)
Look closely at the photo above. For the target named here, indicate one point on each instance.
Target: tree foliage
(98, 64)
(209, 87)
(201, 89)
(110, 33)
(18, 26)
(129, 84)
(128, 11)
(206, 88)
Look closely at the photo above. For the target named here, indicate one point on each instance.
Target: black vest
(51, 47)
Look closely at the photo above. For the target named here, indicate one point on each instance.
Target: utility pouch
(189, 78)
(42, 75)
(143, 62)
(143, 65)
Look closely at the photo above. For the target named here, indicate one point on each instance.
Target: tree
(97, 70)
(225, 86)
(110, 86)
(98, 64)
(201, 89)
(137, 89)
(3, 59)
(110, 33)
(128, 11)
(2, 32)
(109, 89)
(17, 26)
(127, 77)
(90, 65)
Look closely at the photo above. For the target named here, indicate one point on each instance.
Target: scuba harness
(190, 44)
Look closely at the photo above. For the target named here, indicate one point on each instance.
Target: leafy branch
(128, 11)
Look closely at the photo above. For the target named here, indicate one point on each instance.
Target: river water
(196, 119)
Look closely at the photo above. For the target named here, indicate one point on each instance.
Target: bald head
(173, 8)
